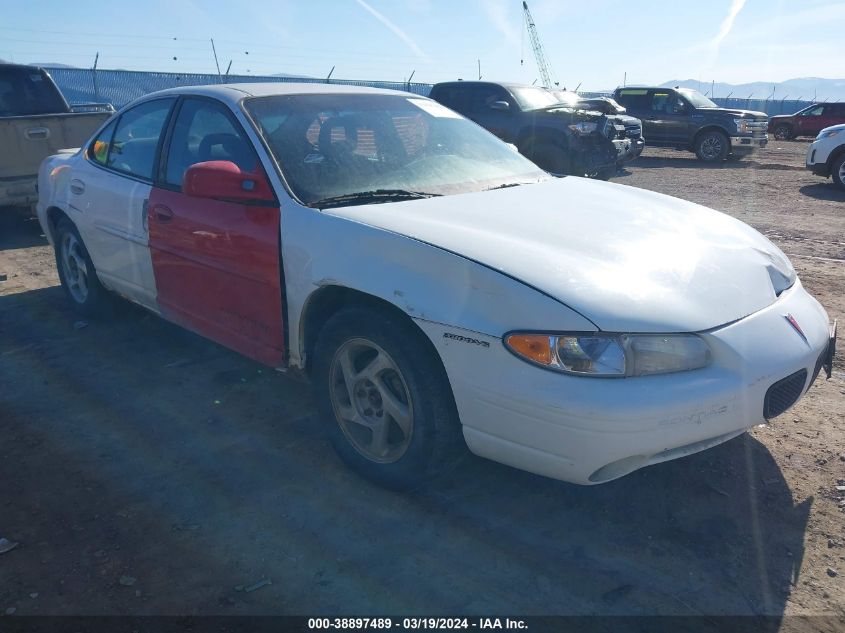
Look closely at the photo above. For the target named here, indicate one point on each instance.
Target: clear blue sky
(594, 43)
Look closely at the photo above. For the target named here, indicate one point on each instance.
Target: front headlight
(742, 126)
(827, 134)
(584, 127)
(608, 355)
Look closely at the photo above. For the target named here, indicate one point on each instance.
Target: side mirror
(224, 180)
(501, 106)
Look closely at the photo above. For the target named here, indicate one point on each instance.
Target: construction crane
(539, 54)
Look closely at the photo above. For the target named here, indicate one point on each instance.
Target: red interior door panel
(217, 271)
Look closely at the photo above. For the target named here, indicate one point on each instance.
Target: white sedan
(432, 282)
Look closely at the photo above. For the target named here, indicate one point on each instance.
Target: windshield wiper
(513, 184)
(368, 197)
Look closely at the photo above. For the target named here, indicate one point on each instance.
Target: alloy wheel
(74, 267)
(371, 401)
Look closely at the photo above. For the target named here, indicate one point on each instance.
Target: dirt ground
(144, 470)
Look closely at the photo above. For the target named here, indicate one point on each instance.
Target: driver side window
(817, 111)
(204, 132)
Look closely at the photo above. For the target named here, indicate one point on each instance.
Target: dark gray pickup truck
(686, 119)
(560, 139)
(35, 122)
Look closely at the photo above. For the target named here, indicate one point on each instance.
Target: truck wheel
(76, 271)
(553, 159)
(712, 146)
(837, 172)
(783, 132)
(384, 399)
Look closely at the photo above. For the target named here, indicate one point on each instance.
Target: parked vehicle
(807, 122)
(606, 105)
(431, 281)
(560, 139)
(826, 155)
(685, 119)
(35, 122)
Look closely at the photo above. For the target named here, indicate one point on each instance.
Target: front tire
(77, 273)
(837, 172)
(552, 158)
(384, 399)
(712, 147)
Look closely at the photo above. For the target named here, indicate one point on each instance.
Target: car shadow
(823, 191)
(19, 229)
(163, 429)
(687, 161)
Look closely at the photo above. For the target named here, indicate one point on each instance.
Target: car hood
(840, 127)
(629, 260)
(743, 114)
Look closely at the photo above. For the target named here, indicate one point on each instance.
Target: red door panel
(217, 271)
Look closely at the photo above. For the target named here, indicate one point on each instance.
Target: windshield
(697, 99)
(569, 98)
(346, 144)
(530, 98)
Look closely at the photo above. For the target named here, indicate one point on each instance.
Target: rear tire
(384, 399)
(712, 147)
(837, 172)
(76, 272)
(783, 132)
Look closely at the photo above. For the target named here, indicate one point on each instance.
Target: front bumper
(748, 144)
(592, 430)
(816, 159)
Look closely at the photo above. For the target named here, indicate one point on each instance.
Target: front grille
(633, 131)
(758, 128)
(783, 394)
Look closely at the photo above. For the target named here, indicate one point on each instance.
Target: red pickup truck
(807, 122)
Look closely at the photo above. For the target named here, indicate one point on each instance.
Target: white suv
(826, 155)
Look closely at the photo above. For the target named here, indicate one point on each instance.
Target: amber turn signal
(534, 347)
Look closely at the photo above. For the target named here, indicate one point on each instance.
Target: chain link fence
(120, 87)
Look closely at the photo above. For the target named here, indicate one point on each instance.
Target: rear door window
(27, 92)
(135, 142)
(634, 99)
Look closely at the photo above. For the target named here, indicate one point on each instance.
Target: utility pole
(94, 77)
(216, 63)
(479, 70)
(330, 75)
(229, 67)
(625, 79)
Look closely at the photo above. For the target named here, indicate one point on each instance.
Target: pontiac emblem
(795, 325)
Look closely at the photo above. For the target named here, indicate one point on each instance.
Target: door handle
(37, 133)
(77, 186)
(162, 213)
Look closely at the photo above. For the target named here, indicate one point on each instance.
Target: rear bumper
(747, 144)
(19, 192)
(593, 430)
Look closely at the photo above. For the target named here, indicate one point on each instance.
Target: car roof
(473, 82)
(235, 92)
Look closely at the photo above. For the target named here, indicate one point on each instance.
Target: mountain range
(803, 88)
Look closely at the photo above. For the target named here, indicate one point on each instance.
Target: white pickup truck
(35, 122)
